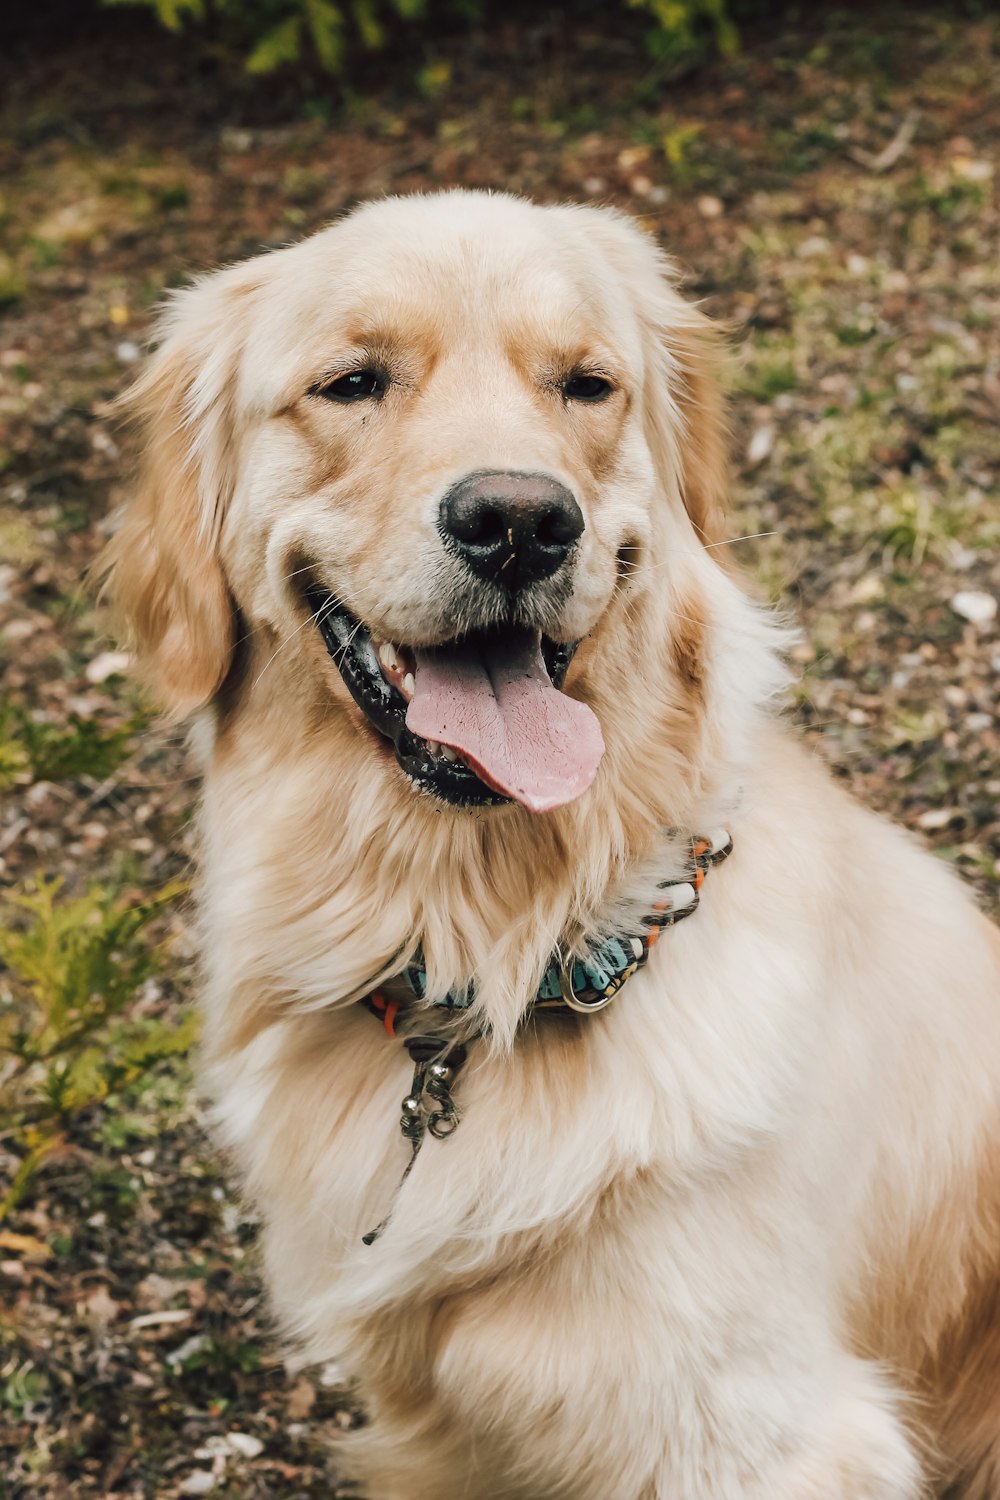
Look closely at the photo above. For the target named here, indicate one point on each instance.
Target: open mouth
(478, 720)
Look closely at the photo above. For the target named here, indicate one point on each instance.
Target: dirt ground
(831, 192)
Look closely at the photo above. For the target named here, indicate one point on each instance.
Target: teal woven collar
(590, 980)
(584, 982)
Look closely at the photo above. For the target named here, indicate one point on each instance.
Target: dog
(427, 546)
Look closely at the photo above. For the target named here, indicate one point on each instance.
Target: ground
(830, 192)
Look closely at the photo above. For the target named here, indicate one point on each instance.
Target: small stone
(978, 608)
(962, 558)
(20, 630)
(245, 1444)
(215, 1447)
(710, 207)
(201, 1482)
(184, 1351)
(127, 352)
(937, 817)
(331, 1376)
(107, 664)
(867, 589)
(761, 446)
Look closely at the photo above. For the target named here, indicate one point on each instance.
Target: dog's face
(424, 454)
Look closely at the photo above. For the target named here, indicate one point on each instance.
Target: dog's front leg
(726, 1441)
(665, 1397)
(847, 1442)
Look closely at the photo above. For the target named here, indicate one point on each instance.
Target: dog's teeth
(448, 753)
(434, 747)
(409, 686)
(387, 656)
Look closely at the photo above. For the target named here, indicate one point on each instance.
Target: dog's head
(402, 470)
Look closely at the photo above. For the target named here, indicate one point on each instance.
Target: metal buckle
(583, 1007)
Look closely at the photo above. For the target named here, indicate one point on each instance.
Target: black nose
(509, 528)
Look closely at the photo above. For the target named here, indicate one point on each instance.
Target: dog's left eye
(359, 385)
(587, 388)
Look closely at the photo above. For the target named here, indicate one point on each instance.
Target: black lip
(350, 645)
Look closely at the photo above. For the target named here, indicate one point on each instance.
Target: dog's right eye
(359, 385)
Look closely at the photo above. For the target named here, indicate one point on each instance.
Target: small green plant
(276, 33)
(70, 970)
(680, 28)
(769, 372)
(37, 751)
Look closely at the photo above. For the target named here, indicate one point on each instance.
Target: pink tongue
(496, 705)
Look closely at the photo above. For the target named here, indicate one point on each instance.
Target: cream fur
(735, 1238)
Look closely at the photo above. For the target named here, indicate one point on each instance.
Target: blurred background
(825, 177)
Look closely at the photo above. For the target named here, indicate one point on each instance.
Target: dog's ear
(693, 348)
(161, 570)
(683, 404)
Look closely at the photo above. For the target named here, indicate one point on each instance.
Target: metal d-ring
(583, 1007)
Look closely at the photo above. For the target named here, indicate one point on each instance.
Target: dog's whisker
(635, 569)
(311, 620)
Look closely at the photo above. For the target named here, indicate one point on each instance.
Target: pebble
(331, 1376)
(245, 1444)
(184, 1351)
(760, 446)
(226, 1445)
(106, 665)
(978, 608)
(937, 817)
(201, 1482)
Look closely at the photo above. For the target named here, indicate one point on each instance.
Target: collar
(583, 982)
(590, 980)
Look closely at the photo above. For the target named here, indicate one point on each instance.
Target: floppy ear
(683, 406)
(693, 347)
(161, 570)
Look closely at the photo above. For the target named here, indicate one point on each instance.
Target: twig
(889, 156)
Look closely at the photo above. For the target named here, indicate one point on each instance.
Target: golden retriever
(426, 540)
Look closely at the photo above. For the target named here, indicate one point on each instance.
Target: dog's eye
(359, 385)
(587, 388)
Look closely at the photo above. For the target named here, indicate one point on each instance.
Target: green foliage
(71, 969)
(681, 26)
(35, 751)
(277, 33)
